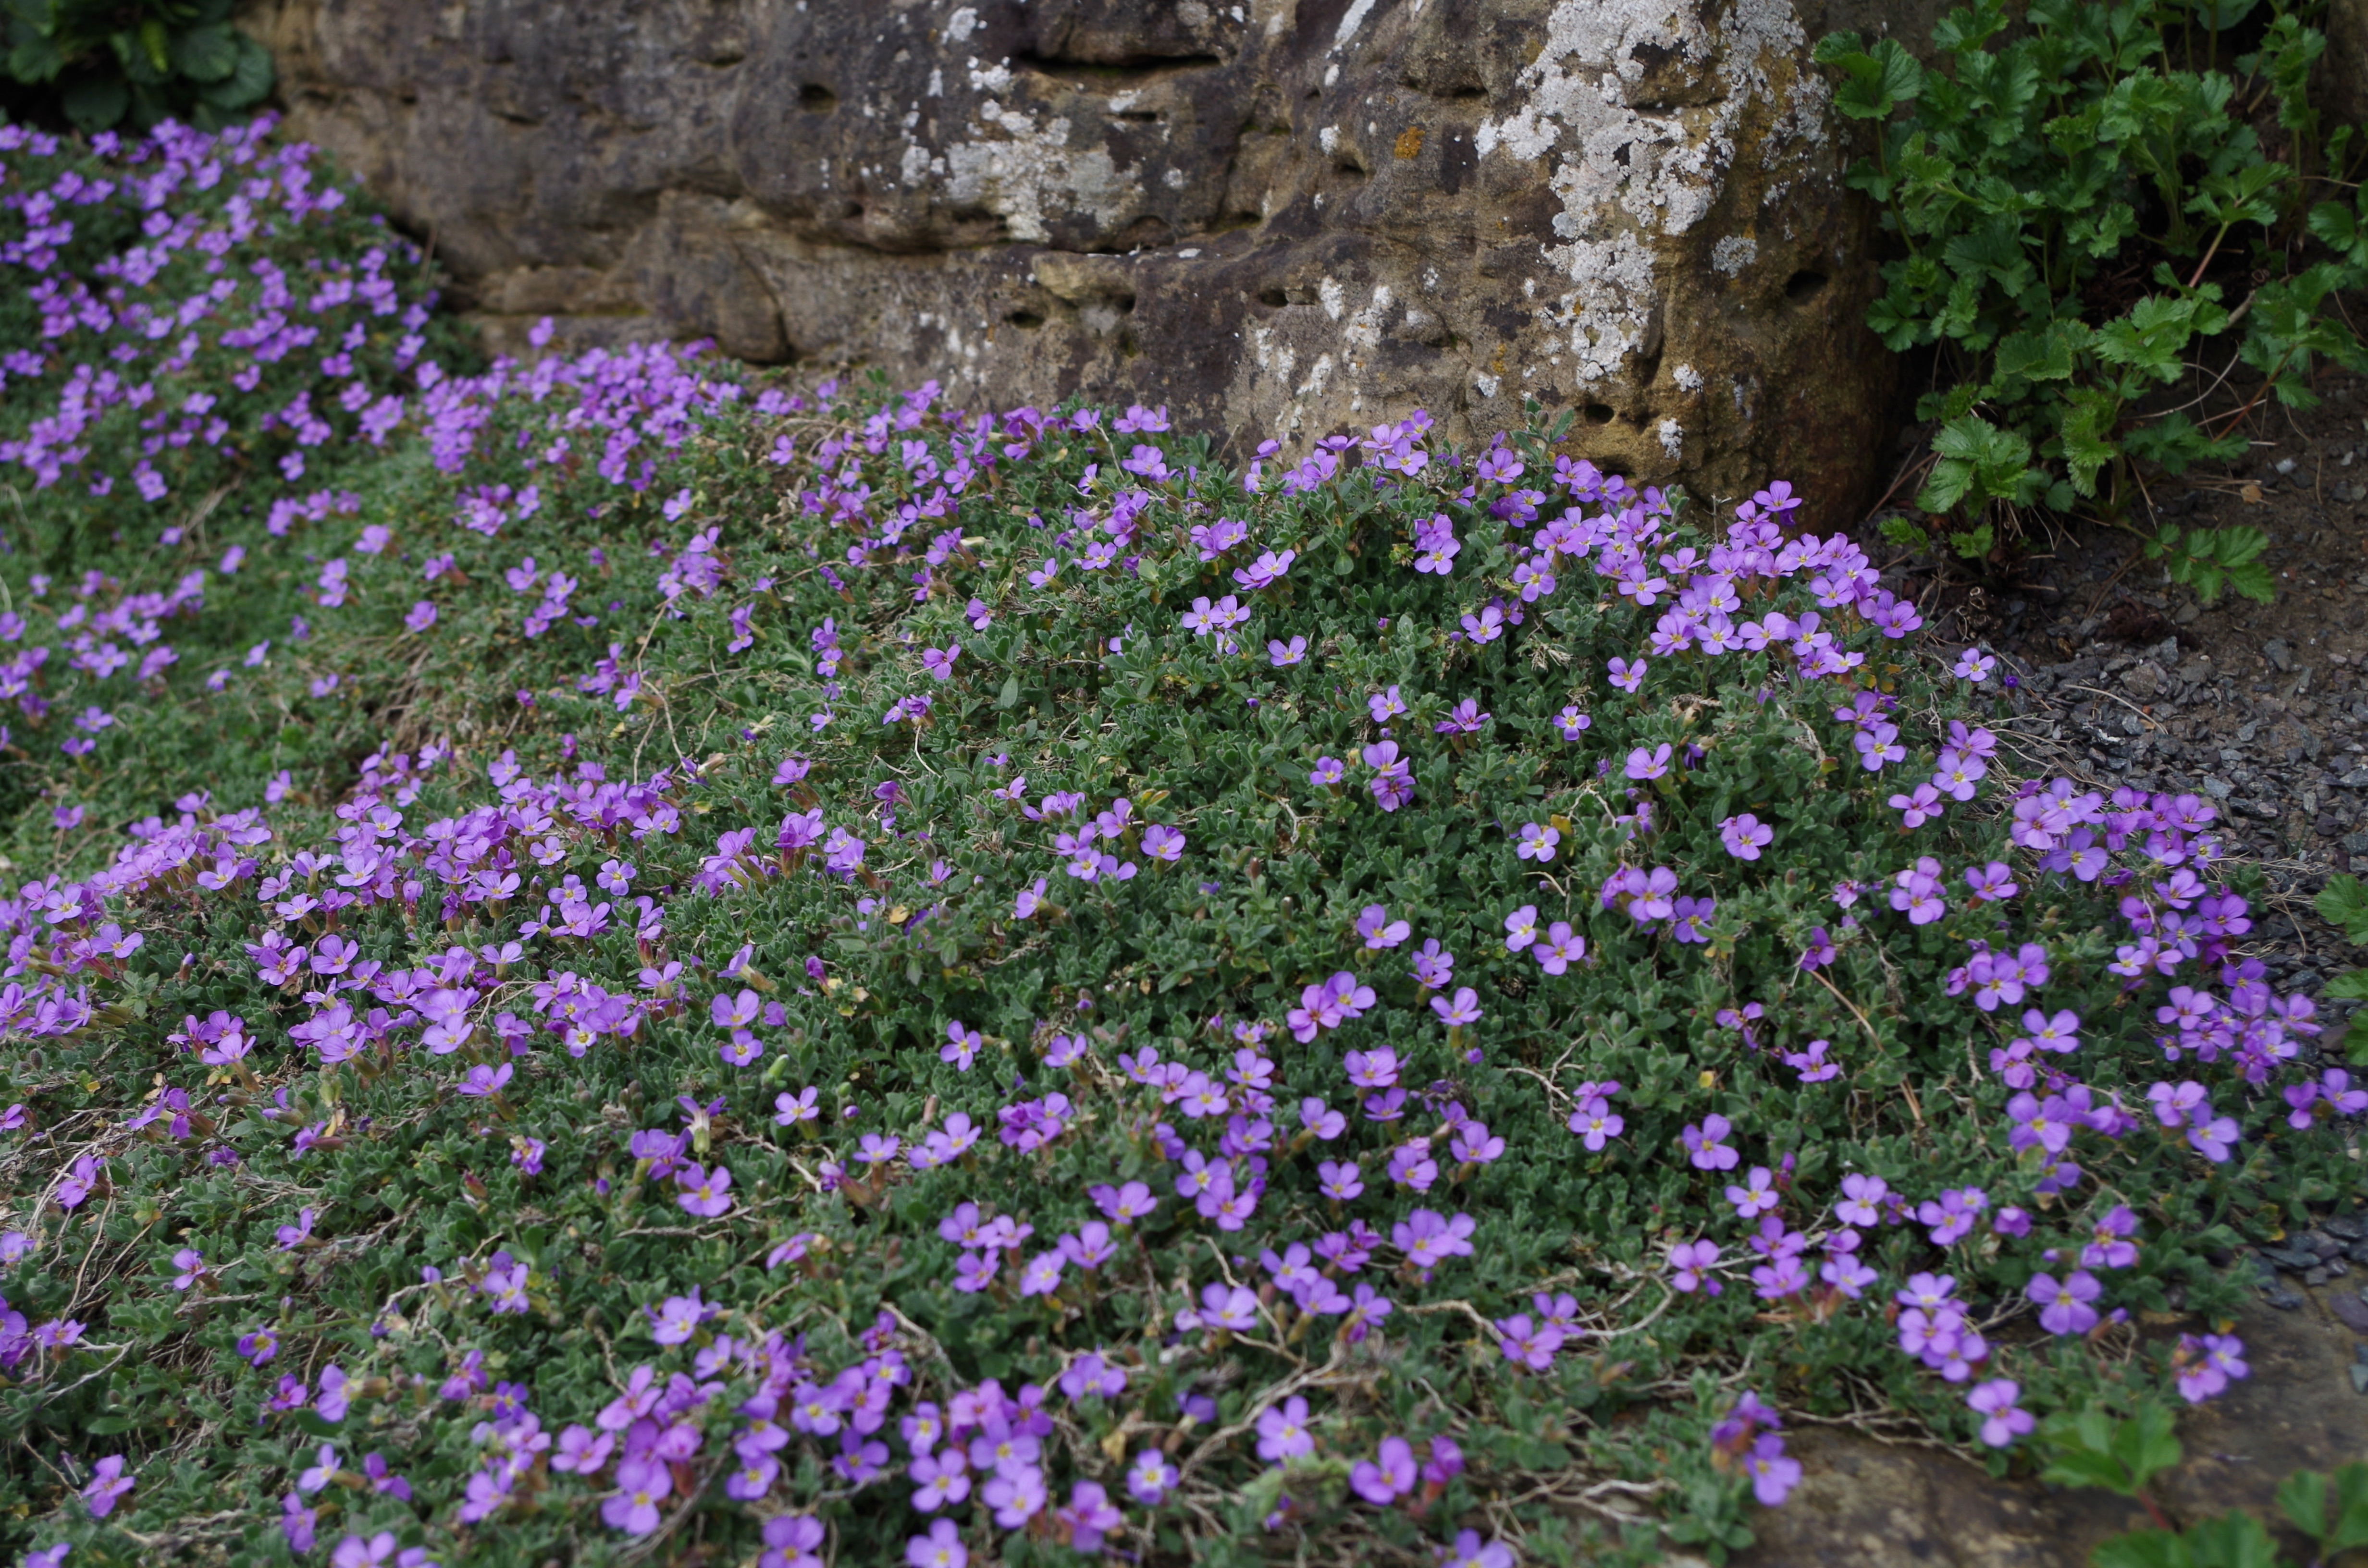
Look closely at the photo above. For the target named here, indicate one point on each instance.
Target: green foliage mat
(632, 1029)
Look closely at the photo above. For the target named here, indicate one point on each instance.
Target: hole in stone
(815, 98)
(1598, 413)
(1027, 320)
(1803, 286)
(1274, 298)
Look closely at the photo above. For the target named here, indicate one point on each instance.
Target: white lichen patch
(1688, 378)
(1030, 176)
(1733, 254)
(1628, 178)
(1673, 438)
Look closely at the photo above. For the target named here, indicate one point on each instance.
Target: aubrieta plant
(810, 975)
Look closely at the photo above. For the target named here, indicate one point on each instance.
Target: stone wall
(1278, 218)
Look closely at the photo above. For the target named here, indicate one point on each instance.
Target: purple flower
(1860, 1196)
(1380, 932)
(1691, 1263)
(1703, 1143)
(1430, 1239)
(1537, 843)
(1595, 1122)
(2205, 1365)
(1756, 1197)
(1328, 771)
(1042, 1275)
(1773, 1476)
(1647, 764)
(1745, 836)
(107, 1485)
(1471, 1551)
(1282, 655)
(1088, 1515)
(1464, 1009)
(2002, 1421)
(1918, 807)
(1954, 1215)
(1163, 842)
(2064, 1307)
(421, 616)
(1340, 1179)
(940, 662)
(1267, 570)
(1627, 676)
(1390, 1475)
(1150, 1478)
(942, 1548)
(1434, 967)
(1282, 1431)
(1526, 1345)
(1464, 718)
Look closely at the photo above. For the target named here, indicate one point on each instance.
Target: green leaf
(1874, 82)
(2042, 356)
(2351, 985)
(1009, 696)
(2090, 414)
(2176, 442)
(96, 102)
(2303, 1497)
(206, 54)
(2351, 1509)
(2208, 559)
(2343, 903)
(34, 57)
(2339, 228)
(248, 83)
(156, 44)
(2234, 1539)
(2146, 1445)
(1978, 463)
(2092, 1448)
(2143, 1549)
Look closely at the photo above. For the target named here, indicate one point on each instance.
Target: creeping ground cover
(612, 962)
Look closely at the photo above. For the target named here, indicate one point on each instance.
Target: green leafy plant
(2331, 1510)
(99, 61)
(2343, 903)
(2075, 202)
(2231, 1540)
(2091, 1447)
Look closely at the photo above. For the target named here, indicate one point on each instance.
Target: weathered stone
(1280, 217)
(1863, 1501)
(2343, 70)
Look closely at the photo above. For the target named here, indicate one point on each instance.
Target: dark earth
(2126, 678)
